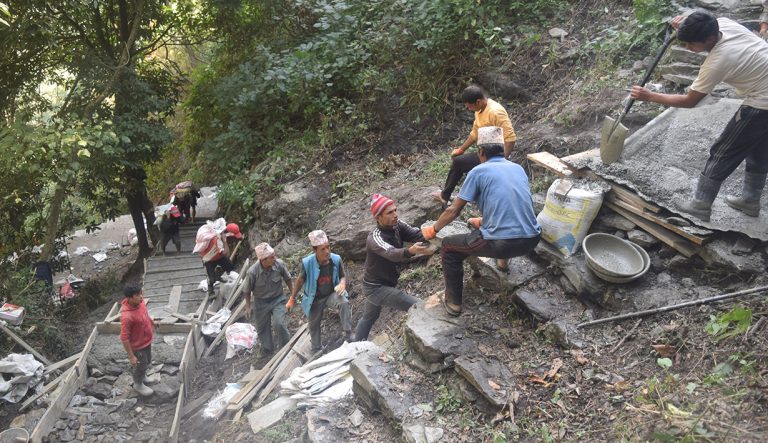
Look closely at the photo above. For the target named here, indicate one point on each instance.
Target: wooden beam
(238, 285)
(183, 317)
(114, 328)
(675, 241)
(550, 162)
(188, 360)
(24, 344)
(575, 158)
(632, 198)
(655, 219)
(194, 405)
(292, 361)
(112, 312)
(173, 436)
(175, 298)
(62, 363)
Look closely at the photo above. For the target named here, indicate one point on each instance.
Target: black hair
(698, 27)
(131, 289)
(493, 150)
(471, 94)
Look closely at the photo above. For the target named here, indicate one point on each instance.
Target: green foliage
(734, 322)
(664, 363)
(4, 12)
(446, 400)
(719, 374)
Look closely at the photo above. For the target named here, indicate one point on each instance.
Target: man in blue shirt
(508, 227)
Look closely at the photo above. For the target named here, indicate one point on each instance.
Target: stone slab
(521, 270)
(270, 413)
(547, 305)
(374, 383)
(434, 336)
(489, 376)
(321, 426)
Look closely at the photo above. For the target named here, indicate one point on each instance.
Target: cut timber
(173, 436)
(232, 318)
(675, 241)
(551, 162)
(183, 317)
(292, 361)
(238, 285)
(62, 364)
(175, 298)
(195, 404)
(633, 199)
(24, 344)
(655, 219)
(46, 389)
(74, 378)
(112, 312)
(252, 388)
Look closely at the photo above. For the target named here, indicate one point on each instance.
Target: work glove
(290, 304)
(475, 222)
(456, 152)
(428, 232)
(340, 288)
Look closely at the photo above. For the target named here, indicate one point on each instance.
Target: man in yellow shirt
(487, 113)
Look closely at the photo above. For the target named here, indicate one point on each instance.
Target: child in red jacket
(136, 332)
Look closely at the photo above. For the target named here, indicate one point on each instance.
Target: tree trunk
(52, 230)
(135, 208)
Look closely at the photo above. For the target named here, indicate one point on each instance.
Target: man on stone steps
(323, 283)
(384, 252)
(508, 227)
(264, 284)
(136, 333)
(740, 58)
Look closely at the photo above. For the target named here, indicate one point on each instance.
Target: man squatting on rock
(136, 333)
(264, 285)
(323, 283)
(384, 251)
(740, 58)
(487, 113)
(508, 226)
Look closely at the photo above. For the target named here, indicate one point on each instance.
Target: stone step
(488, 376)
(685, 80)
(434, 337)
(488, 276)
(679, 69)
(682, 55)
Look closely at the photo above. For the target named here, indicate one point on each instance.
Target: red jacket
(136, 326)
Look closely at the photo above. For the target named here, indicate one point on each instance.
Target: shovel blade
(612, 139)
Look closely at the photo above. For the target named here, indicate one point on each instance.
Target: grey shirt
(265, 283)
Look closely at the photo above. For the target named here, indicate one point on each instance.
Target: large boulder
(349, 225)
(296, 209)
(501, 84)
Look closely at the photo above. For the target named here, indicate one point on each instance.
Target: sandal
(451, 309)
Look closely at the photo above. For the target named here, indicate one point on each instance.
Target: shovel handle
(668, 38)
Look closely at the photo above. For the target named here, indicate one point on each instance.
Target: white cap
(263, 250)
(317, 238)
(490, 135)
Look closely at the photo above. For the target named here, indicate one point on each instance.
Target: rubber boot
(749, 202)
(143, 389)
(701, 204)
(147, 381)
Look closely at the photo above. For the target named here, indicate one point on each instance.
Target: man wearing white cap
(508, 226)
(323, 283)
(264, 286)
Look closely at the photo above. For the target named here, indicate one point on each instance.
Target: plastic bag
(240, 336)
(212, 326)
(565, 221)
(217, 404)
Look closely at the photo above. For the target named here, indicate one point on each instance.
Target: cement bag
(207, 232)
(240, 336)
(565, 221)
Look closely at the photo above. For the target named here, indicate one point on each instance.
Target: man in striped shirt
(385, 252)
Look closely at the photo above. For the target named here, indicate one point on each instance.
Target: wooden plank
(292, 361)
(675, 241)
(232, 318)
(173, 436)
(187, 360)
(62, 363)
(47, 388)
(633, 199)
(112, 312)
(70, 384)
(550, 162)
(238, 285)
(24, 344)
(655, 219)
(194, 405)
(114, 328)
(183, 317)
(248, 392)
(173, 301)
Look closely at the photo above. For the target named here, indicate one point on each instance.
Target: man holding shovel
(740, 58)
